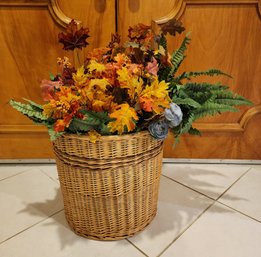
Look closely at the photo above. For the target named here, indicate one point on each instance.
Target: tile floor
(204, 210)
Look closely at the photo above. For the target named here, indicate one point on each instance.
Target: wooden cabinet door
(28, 50)
(225, 35)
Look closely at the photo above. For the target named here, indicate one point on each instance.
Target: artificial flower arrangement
(126, 88)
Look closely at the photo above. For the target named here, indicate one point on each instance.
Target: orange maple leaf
(124, 116)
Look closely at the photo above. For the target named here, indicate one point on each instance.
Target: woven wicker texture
(110, 188)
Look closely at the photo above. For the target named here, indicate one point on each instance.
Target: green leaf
(178, 56)
(96, 118)
(210, 72)
(185, 101)
(194, 131)
(229, 98)
(33, 104)
(53, 134)
(78, 125)
(187, 123)
(52, 77)
(210, 109)
(29, 110)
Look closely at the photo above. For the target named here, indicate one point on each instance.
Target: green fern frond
(210, 109)
(53, 134)
(92, 120)
(78, 125)
(228, 98)
(96, 118)
(210, 72)
(194, 131)
(202, 92)
(179, 55)
(28, 110)
(163, 41)
(187, 124)
(34, 105)
(203, 87)
(185, 101)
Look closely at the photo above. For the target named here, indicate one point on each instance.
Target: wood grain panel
(225, 35)
(29, 50)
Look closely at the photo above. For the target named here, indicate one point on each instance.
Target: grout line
(53, 179)
(234, 182)
(20, 232)
(232, 208)
(214, 201)
(207, 196)
(136, 247)
(180, 234)
(21, 172)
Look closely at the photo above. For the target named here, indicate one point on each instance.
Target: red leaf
(172, 26)
(74, 38)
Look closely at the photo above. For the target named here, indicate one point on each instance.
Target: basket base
(116, 237)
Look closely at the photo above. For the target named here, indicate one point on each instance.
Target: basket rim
(111, 137)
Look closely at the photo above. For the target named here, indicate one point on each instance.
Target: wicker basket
(110, 188)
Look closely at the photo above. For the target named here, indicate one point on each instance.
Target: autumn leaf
(74, 38)
(152, 67)
(155, 97)
(94, 65)
(138, 32)
(93, 136)
(80, 77)
(171, 27)
(48, 89)
(98, 84)
(132, 83)
(61, 124)
(146, 103)
(124, 116)
(115, 40)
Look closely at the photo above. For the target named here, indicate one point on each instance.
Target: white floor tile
(248, 193)
(26, 199)
(52, 237)
(209, 179)
(50, 170)
(178, 207)
(219, 232)
(11, 170)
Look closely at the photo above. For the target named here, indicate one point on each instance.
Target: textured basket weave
(110, 188)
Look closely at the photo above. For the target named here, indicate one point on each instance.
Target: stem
(78, 57)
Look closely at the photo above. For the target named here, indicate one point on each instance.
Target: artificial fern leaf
(210, 109)
(28, 110)
(187, 123)
(92, 120)
(178, 56)
(53, 134)
(203, 87)
(185, 101)
(33, 104)
(78, 125)
(163, 41)
(210, 72)
(194, 131)
(229, 98)
(202, 92)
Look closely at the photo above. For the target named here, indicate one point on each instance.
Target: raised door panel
(29, 50)
(225, 35)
